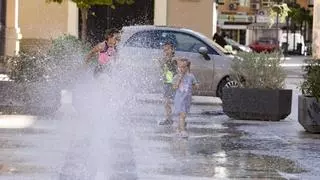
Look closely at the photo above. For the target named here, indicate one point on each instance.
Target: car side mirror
(204, 52)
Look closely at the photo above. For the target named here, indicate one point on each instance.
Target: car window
(144, 39)
(185, 42)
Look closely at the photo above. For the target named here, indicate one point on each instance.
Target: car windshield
(224, 51)
(231, 41)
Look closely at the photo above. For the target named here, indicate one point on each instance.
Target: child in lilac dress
(183, 82)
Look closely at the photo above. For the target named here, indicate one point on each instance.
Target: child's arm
(195, 82)
(176, 81)
(93, 51)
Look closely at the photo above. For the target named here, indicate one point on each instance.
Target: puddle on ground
(233, 165)
(223, 153)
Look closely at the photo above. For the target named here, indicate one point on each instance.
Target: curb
(16, 121)
(295, 77)
(194, 102)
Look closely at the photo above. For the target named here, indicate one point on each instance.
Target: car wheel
(226, 82)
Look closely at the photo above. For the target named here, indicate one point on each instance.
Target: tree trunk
(84, 17)
(305, 30)
(302, 30)
(294, 37)
(287, 38)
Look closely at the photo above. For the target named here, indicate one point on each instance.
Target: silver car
(141, 45)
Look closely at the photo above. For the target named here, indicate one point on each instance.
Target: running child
(106, 51)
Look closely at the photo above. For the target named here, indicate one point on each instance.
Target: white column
(73, 18)
(247, 37)
(13, 34)
(160, 12)
(215, 17)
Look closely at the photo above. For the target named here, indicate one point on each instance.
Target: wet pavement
(217, 148)
(83, 146)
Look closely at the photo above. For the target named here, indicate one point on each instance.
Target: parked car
(140, 45)
(265, 44)
(237, 46)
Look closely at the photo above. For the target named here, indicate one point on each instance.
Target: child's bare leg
(182, 122)
(168, 120)
(168, 109)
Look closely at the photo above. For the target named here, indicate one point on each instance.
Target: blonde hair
(184, 60)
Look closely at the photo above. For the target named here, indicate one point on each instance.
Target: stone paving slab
(218, 147)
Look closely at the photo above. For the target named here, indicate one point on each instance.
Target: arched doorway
(101, 18)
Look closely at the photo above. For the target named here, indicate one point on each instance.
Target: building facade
(197, 15)
(247, 20)
(30, 25)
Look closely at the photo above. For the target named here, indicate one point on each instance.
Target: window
(310, 3)
(144, 39)
(267, 3)
(245, 3)
(185, 42)
(156, 38)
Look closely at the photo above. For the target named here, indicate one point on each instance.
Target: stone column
(13, 34)
(73, 18)
(160, 12)
(2, 26)
(316, 30)
(214, 17)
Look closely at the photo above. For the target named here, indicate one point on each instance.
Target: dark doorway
(101, 18)
(2, 26)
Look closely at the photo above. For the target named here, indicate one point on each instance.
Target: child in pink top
(106, 50)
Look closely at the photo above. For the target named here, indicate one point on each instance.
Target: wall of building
(240, 6)
(193, 14)
(47, 21)
(303, 3)
(247, 14)
(50, 20)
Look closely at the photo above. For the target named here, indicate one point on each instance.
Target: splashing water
(100, 137)
(93, 136)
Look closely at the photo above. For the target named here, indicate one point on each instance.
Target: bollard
(66, 107)
(66, 97)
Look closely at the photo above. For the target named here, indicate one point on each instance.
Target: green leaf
(280, 10)
(311, 83)
(260, 70)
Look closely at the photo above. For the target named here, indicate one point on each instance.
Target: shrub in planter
(31, 89)
(56, 65)
(308, 102)
(27, 67)
(65, 59)
(41, 76)
(260, 94)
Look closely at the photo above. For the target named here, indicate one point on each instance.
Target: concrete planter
(309, 113)
(34, 98)
(257, 104)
